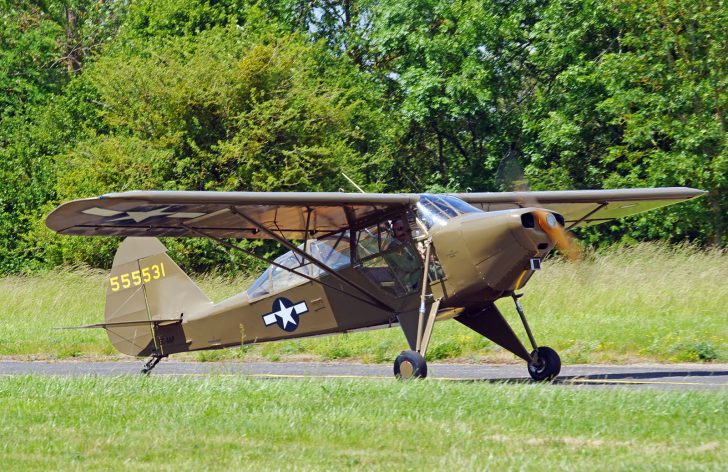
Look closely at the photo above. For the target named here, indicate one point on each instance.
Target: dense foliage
(423, 95)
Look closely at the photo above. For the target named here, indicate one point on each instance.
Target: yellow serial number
(138, 277)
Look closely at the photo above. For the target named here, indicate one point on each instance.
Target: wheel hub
(536, 364)
(406, 369)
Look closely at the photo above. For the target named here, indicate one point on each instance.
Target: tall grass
(35, 308)
(233, 423)
(639, 303)
(32, 306)
(650, 300)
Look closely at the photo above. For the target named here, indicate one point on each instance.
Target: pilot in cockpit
(401, 258)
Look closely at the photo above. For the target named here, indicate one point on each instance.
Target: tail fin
(146, 293)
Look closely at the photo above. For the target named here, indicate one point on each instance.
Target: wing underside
(241, 215)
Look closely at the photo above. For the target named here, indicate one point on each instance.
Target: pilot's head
(401, 231)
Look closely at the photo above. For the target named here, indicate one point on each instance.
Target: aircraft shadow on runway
(593, 379)
(652, 375)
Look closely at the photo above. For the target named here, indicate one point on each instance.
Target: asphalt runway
(661, 376)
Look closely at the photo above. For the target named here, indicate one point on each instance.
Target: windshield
(332, 250)
(437, 209)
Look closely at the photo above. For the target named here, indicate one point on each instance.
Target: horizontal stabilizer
(128, 323)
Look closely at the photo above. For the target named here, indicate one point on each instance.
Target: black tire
(548, 366)
(410, 365)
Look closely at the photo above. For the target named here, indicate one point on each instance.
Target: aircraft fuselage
(477, 258)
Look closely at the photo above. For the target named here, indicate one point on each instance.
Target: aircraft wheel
(548, 366)
(410, 365)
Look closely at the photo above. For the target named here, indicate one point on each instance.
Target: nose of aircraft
(487, 253)
(539, 227)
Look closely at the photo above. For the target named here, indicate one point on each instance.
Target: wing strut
(601, 205)
(292, 247)
(281, 266)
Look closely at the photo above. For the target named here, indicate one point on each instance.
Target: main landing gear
(543, 362)
(418, 330)
(152, 363)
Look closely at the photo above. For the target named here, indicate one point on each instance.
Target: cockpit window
(460, 205)
(437, 209)
(332, 250)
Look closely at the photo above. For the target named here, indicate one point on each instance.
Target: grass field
(649, 302)
(233, 423)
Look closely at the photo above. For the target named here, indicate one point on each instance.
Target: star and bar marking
(285, 313)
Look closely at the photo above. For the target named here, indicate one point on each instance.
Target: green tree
(668, 92)
(631, 94)
(455, 73)
(404, 96)
(230, 108)
(565, 133)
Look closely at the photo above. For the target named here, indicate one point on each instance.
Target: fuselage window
(332, 250)
(460, 205)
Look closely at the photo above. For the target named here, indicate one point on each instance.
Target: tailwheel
(152, 363)
(546, 364)
(410, 365)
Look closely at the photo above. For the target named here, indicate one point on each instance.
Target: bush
(444, 350)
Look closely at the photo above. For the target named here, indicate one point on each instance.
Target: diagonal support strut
(292, 247)
(274, 263)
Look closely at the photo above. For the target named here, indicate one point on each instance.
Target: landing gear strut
(411, 364)
(151, 363)
(545, 363)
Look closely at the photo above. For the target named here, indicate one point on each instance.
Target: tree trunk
(73, 48)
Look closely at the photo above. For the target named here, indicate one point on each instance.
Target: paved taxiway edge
(672, 376)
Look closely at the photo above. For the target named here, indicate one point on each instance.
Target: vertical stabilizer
(146, 292)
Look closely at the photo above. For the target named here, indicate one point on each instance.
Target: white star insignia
(283, 315)
(139, 216)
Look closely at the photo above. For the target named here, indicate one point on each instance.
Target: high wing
(585, 207)
(296, 215)
(291, 215)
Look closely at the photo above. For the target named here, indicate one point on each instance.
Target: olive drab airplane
(355, 261)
